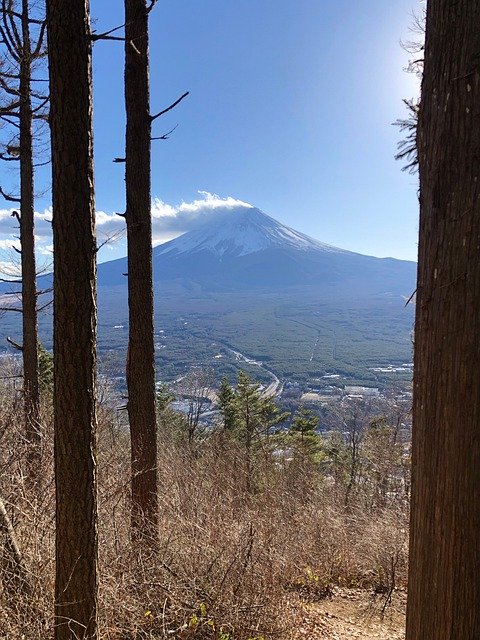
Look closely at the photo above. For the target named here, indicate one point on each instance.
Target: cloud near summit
(168, 222)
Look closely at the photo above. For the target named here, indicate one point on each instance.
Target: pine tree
(303, 434)
(227, 407)
(257, 415)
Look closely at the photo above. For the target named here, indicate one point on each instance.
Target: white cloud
(9, 243)
(9, 269)
(171, 221)
(168, 221)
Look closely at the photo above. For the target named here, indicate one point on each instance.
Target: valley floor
(349, 614)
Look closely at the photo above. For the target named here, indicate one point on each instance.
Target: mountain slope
(244, 249)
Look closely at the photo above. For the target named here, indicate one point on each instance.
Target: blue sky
(290, 109)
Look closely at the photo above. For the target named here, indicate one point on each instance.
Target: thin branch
(116, 38)
(43, 307)
(16, 309)
(41, 105)
(152, 4)
(42, 292)
(20, 17)
(103, 36)
(5, 119)
(410, 298)
(42, 164)
(165, 136)
(8, 197)
(41, 36)
(172, 106)
(14, 344)
(117, 160)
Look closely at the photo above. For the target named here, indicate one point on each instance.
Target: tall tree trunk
(69, 50)
(27, 242)
(141, 354)
(444, 583)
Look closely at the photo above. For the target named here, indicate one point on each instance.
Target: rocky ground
(349, 614)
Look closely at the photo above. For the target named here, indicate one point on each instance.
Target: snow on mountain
(240, 232)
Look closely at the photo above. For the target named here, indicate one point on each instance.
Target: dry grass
(228, 558)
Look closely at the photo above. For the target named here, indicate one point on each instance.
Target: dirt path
(350, 614)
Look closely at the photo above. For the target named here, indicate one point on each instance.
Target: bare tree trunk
(69, 50)
(444, 583)
(141, 353)
(27, 242)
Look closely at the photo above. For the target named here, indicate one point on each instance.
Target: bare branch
(37, 51)
(117, 160)
(42, 292)
(5, 119)
(117, 38)
(41, 105)
(14, 344)
(20, 17)
(172, 106)
(42, 164)
(103, 36)
(45, 306)
(8, 197)
(165, 136)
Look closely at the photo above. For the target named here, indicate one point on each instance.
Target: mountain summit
(242, 248)
(239, 232)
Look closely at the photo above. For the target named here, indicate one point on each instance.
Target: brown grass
(228, 558)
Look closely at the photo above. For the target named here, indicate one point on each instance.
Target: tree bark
(69, 50)
(27, 243)
(141, 353)
(444, 583)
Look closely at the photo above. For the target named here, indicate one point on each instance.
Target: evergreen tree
(257, 415)
(227, 407)
(303, 433)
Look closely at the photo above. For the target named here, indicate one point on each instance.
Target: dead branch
(165, 136)
(14, 344)
(172, 106)
(8, 197)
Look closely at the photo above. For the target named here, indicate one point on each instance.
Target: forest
(123, 518)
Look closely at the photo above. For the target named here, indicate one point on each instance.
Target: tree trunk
(141, 353)
(444, 583)
(69, 50)
(27, 242)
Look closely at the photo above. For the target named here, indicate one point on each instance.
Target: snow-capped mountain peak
(239, 232)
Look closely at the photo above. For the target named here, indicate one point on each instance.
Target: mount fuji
(245, 249)
(243, 290)
(243, 283)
